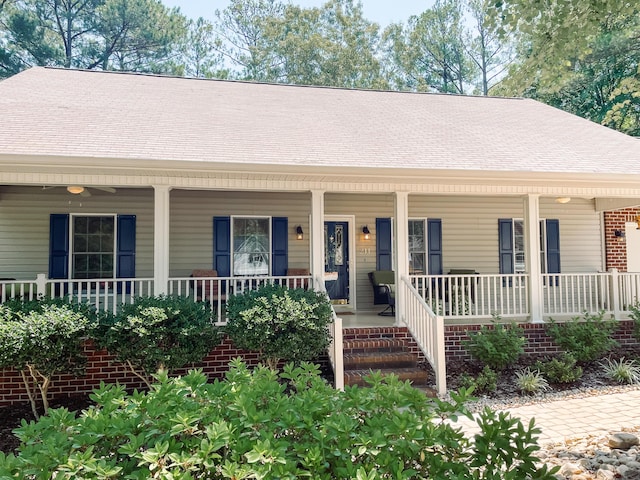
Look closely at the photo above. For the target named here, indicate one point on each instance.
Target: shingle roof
(59, 112)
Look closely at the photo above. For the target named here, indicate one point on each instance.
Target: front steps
(386, 353)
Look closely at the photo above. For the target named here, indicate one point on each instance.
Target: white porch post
(532, 254)
(401, 260)
(317, 239)
(160, 239)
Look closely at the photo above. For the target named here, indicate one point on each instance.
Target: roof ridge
(275, 84)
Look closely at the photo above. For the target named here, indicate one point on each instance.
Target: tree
(137, 35)
(200, 52)
(487, 49)
(332, 45)
(429, 54)
(244, 28)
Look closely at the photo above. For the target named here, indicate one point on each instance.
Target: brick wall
(101, 366)
(616, 247)
(537, 339)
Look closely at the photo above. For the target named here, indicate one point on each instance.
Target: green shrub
(41, 342)
(485, 382)
(252, 426)
(622, 371)
(561, 369)
(531, 381)
(587, 339)
(496, 346)
(153, 333)
(280, 323)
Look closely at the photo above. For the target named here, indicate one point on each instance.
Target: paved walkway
(562, 419)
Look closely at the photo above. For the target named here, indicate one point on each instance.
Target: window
(251, 245)
(512, 246)
(417, 247)
(93, 246)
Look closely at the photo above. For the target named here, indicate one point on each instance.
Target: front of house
(480, 206)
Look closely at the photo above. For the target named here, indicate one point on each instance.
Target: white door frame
(632, 237)
(351, 221)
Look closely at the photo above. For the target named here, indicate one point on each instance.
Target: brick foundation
(101, 366)
(616, 246)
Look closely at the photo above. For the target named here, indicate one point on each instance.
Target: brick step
(374, 345)
(416, 376)
(378, 360)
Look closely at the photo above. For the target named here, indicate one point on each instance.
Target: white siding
(24, 225)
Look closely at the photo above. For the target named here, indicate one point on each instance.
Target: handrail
(427, 329)
(336, 351)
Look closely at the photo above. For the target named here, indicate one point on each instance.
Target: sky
(383, 12)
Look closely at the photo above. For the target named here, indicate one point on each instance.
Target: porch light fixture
(563, 199)
(366, 232)
(619, 234)
(299, 232)
(75, 189)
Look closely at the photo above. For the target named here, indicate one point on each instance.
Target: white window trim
(542, 251)
(424, 221)
(72, 251)
(233, 251)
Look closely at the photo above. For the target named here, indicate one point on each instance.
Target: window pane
(251, 246)
(417, 247)
(93, 247)
(518, 246)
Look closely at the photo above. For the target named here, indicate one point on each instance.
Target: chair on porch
(298, 282)
(206, 289)
(383, 283)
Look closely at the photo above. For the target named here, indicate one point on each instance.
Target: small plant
(561, 369)
(280, 323)
(485, 382)
(587, 339)
(154, 333)
(531, 381)
(496, 346)
(622, 371)
(41, 340)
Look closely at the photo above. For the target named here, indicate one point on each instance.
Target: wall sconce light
(563, 199)
(366, 233)
(619, 234)
(299, 233)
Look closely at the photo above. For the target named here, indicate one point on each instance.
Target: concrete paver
(566, 418)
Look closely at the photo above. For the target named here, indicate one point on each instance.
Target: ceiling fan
(82, 190)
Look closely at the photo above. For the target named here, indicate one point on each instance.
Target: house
(115, 184)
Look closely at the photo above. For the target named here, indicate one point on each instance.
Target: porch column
(532, 255)
(317, 239)
(160, 239)
(401, 260)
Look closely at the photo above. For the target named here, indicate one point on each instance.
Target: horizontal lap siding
(191, 224)
(365, 209)
(581, 247)
(24, 224)
(470, 229)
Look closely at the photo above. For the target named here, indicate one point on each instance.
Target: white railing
(216, 290)
(427, 329)
(336, 351)
(576, 293)
(474, 296)
(627, 287)
(103, 294)
(26, 290)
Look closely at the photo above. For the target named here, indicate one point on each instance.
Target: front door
(632, 235)
(336, 261)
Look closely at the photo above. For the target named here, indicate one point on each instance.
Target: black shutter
(279, 245)
(59, 245)
(434, 250)
(222, 246)
(384, 253)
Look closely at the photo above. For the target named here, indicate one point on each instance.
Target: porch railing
(428, 330)
(576, 293)
(103, 294)
(336, 352)
(474, 296)
(216, 290)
